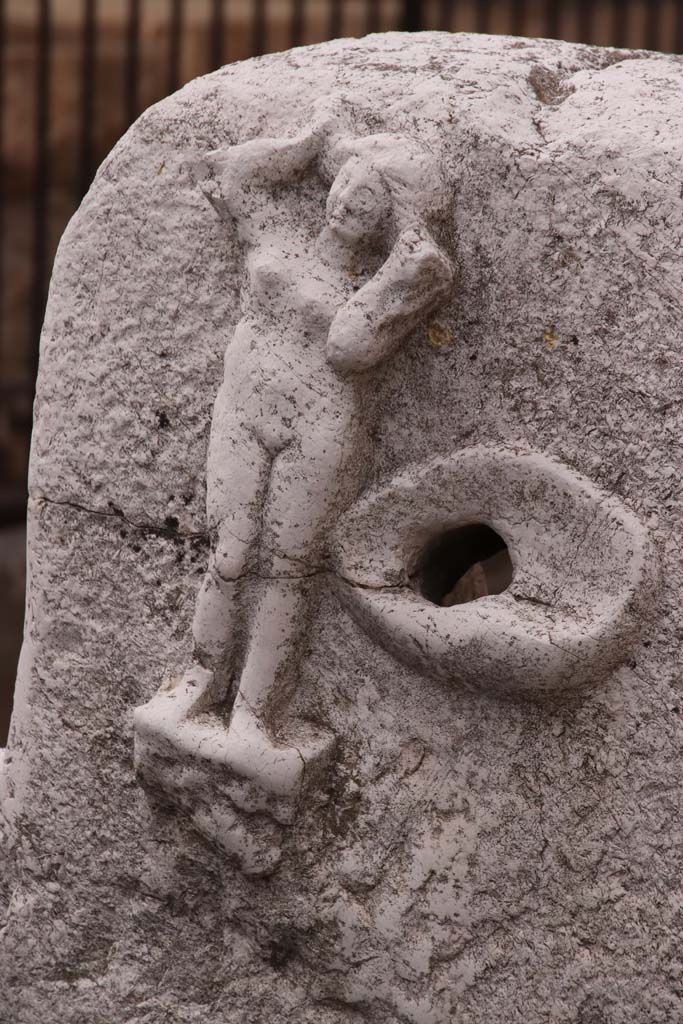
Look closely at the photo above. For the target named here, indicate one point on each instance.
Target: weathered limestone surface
(493, 834)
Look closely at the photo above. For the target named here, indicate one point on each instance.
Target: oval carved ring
(583, 570)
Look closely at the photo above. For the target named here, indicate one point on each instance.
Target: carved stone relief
(350, 688)
(321, 311)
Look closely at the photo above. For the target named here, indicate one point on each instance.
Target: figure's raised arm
(415, 280)
(238, 172)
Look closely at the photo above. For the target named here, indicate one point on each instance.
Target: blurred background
(75, 73)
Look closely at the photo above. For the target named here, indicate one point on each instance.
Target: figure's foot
(176, 699)
(279, 768)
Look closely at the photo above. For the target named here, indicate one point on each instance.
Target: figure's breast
(268, 273)
(295, 285)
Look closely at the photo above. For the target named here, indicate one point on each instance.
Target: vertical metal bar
(42, 180)
(3, 181)
(620, 19)
(483, 23)
(584, 19)
(678, 28)
(652, 19)
(296, 24)
(447, 11)
(335, 22)
(552, 20)
(216, 53)
(373, 21)
(411, 17)
(518, 20)
(87, 95)
(175, 33)
(258, 37)
(132, 60)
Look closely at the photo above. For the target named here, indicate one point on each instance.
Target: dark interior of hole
(452, 554)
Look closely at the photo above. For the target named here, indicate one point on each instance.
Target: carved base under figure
(238, 785)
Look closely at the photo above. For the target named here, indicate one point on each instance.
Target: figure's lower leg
(216, 614)
(213, 623)
(271, 662)
(269, 675)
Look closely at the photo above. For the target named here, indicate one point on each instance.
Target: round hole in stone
(463, 564)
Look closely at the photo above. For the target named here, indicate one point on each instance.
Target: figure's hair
(409, 170)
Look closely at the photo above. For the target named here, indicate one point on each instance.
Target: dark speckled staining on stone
(469, 855)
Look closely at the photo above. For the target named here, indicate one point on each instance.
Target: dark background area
(75, 73)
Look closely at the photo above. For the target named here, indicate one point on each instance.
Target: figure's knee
(230, 557)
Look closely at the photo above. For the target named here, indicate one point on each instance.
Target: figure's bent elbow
(350, 355)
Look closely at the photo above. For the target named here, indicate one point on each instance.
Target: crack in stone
(166, 531)
(117, 513)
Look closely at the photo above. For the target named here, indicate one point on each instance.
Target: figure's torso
(277, 377)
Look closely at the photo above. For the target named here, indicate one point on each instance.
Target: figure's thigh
(311, 482)
(237, 476)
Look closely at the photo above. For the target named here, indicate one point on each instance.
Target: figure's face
(358, 203)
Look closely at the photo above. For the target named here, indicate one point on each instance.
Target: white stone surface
(457, 854)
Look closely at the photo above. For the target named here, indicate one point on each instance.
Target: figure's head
(380, 179)
(359, 203)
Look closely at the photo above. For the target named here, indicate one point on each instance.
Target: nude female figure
(287, 450)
